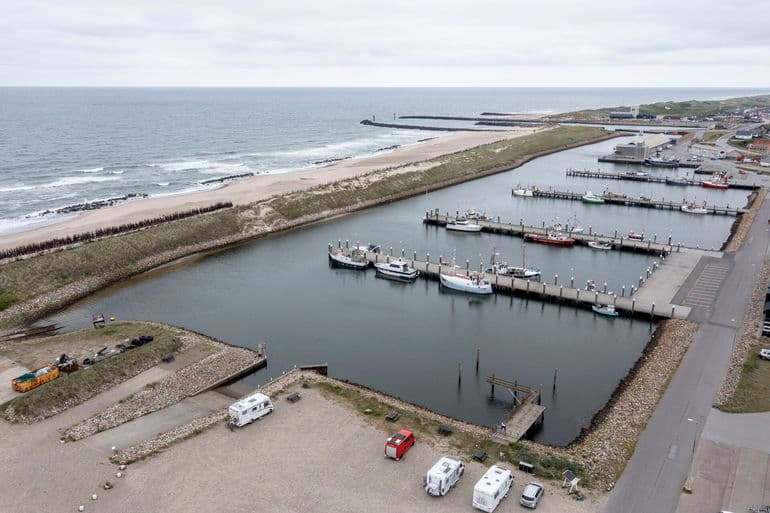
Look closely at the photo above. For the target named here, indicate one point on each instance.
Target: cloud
(337, 42)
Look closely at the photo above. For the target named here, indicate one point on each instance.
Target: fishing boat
(591, 198)
(553, 239)
(473, 284)
(607, 310)
(717, 181)
(463, 225)
(614, 195)
(692, 208)
(503, 269)
(677, 181)
(524, 193)
(576, 228)
(635, 236)
(661, 162)
(595, 244)
(397, 269)
(475, 215)
(349, 259)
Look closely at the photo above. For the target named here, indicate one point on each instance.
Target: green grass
(29, 278)
(712, 136)
(704, 108)
(7, 298)
(753, 391)
(547, 465)
(73, 389)
(461, 165)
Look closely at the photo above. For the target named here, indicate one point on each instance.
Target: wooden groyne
(553, 292)
(637, 202)
(617, 241)
(648, 178)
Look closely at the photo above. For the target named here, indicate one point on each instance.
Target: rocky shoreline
(742, 225)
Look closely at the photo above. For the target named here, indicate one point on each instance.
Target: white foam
(78, 180)
(92, 170)
(118, 172)
(163, 184)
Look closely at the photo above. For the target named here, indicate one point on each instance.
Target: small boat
(590, 197)
(645, 198)
(397, 269)
(717, 181)
(692, 208)
(524, 193)
(614, 195)
(607, 310)
(661, 162)
(553, 239)
(350, 259)
(635, 236)
(599, 245)
(576, 228)
(677, 181)
(463, 225)
(472, 284)
(503, 269)
(473, 214)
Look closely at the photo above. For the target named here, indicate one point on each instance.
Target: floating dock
(654, 179)
(626, 305)
(637, 202)
(617, 241)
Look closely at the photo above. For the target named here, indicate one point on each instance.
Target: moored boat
(614, 195)
(349, 259)
(524, 193)
(475, 215)
(661, 162)
(463, 225)
(595, 244)
(591, 198)
(692, 208)
(607, 310)
(553, 239)
(473, 284)
(717, 181)
(635, 236)
(397, 269)
(677, 181)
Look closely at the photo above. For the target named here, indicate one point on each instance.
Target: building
(621, 114)
(760, 145)
(745, 135)
(640, 150)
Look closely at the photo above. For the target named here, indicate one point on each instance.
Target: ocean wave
(78, 180)
(163, 184)
(118, 172)
(92, 170)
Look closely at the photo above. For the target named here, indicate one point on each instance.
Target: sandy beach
(259, 187)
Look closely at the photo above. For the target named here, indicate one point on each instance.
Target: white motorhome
(443, 475)
(249, 409)
(492, 488)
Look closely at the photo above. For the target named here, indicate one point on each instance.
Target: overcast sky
(385, 43)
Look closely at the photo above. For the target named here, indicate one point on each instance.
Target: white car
(531, 495)
(764, 354)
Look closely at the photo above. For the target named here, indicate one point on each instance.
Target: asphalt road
(653, 478)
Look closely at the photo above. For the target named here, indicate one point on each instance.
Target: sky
(704, 43)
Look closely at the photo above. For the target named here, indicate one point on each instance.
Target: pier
(617, 241)
(637, 202)
(554, 292)
(629, 160)
(527, 411)
(648, 178)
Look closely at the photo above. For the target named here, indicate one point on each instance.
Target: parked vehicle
(443, 476)
(531, 495)
(397, 445)
(101, 355)
(764, 354)
(34, 379)
(492, 488)
(249, 409)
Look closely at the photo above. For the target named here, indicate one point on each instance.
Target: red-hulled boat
(717, 181)
(554, 239)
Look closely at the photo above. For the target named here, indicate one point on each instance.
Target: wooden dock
(648, 178)
(625, 160)
(527, 411)
(636, 202)
(565, 293)
(617, 241)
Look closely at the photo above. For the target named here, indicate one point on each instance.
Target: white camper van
(443, 475)
(249, 409)
(492, 488)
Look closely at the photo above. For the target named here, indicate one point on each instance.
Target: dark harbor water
(407, 339)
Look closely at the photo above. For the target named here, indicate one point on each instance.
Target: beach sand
(258, 187)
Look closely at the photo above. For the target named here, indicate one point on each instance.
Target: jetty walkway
(648, 178)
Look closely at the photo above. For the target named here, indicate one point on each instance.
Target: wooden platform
(649, 178)
(636, 202)
(526, 413)
(626, 306)
(617, 241)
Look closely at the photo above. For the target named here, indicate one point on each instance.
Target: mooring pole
(477, 359)
(493, 386)
(459, 373)
(555, 376)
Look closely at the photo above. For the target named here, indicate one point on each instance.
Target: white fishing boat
(595, 244)
(397, 269)
(576, 228)
(607, 310)
(473, 284)
(463, 225)
(592, 198)
(503, 269)
(692, 208)
(524, 193)
(350, 259)
(476, 216)
(635, 236)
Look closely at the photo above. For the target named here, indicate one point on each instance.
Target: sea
(64, 146)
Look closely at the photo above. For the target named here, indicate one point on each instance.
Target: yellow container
(28, 384)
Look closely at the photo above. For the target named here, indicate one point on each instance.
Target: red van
(398, 444)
